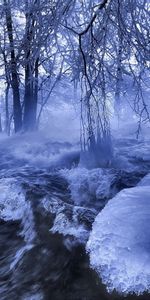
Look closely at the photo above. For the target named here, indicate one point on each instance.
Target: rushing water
(37, 261)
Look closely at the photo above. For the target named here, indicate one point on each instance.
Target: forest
(74, 149)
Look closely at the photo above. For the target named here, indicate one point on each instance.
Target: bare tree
(13, 68)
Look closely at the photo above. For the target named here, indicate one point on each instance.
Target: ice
(119, 244)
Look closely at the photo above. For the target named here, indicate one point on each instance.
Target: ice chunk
(119, 244)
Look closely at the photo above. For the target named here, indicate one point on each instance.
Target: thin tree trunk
(28, 100)
(1, 124)
(7, 129)
(36, 89)
(31, 79)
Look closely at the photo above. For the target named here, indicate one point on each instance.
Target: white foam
(119, 244)
(14, 207)
(63, 224)
(70, 227)
(33, 295)
(38, 150)
(19, 255)
(11, 200)
(86, 185)
(130, 153)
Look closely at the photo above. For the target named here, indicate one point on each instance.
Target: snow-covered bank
(119, 244)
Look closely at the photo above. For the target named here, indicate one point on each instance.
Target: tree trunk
(31, 78)
(28, 121)
(30, 97)
(14, 74)
(1, 124)
(36, 89)
(7, 129)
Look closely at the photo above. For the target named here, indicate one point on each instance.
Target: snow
(119, 244)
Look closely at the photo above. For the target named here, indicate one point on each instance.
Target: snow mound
(119, 244)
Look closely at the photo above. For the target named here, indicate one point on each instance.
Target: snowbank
(119, 244)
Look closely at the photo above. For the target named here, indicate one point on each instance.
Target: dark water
(56, 267)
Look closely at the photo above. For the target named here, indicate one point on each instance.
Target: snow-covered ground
(119, 244)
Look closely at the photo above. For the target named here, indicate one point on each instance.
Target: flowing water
(43, 231)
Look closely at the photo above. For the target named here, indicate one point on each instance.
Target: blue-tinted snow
(119, 244)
